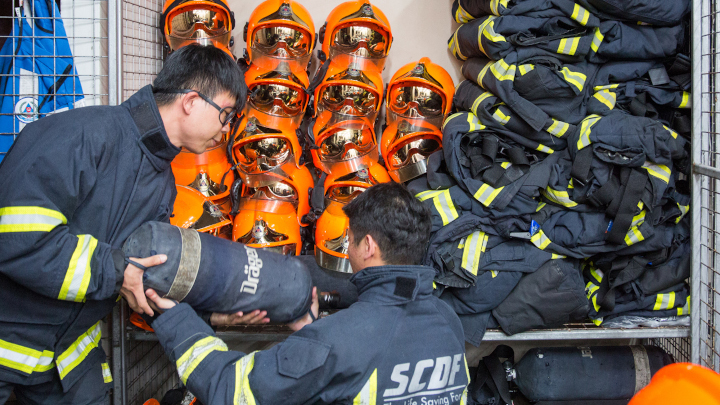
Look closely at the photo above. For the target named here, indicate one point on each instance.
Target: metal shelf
(275, 333)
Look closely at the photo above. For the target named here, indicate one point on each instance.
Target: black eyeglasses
(227, 114)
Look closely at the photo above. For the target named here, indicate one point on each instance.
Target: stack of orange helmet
(347, 99)
(273, 199)
(204, 180)
(418, 100)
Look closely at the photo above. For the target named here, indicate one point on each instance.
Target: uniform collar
(393, 284)
(153, 139)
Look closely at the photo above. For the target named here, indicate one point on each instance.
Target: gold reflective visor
(276, 191)
(346, 99)
(282, 41)
(346, 144)
(414, 151)
(264, 154)
(360, 40)
(205, 26)
(415, 101)
(278, 99)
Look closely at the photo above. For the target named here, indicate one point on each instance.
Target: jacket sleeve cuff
(118, 258)
(178, 328)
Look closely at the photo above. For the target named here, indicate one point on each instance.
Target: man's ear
(187, 101)
(371, 248)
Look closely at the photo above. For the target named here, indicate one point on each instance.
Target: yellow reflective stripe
(502, 71)
(558, 128)
(505, 165)
(664, 301)
(243, 393)
(368, 393)
(500, 117)
(472, 250)
(462, 16)
(606, 97)
(486, 194)
(21, 358)
(662, 172)
(540, 240)
(524, 69)
(488, 31)
(445, 207)
(673, 133)
(568, 46)
(597, 40)
(451, 117)
(540, 206)
(474, 123)
(192, 357)
(558, 197)
(684, 210)
(577, 79)
(633, 236)
(591, 294)
(454, 46)
(597, 275)
(29, 219)
(77, 277)
(685, 103)
(580, 14)
(46, 362)
(482, 97)
(78, 351)
(556, 256)
(481, 30)
(570, 184)
(585, 129)
(685, 309)
(494, 273)
(607, 87)
(597, 321)
(494, 5)
(544, 149)
(434, 286)
(428, 194)
(107, 376)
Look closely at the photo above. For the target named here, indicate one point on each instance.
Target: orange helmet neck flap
(192, 210)
(357, 28)
(405, 147)
(420, 90)
(270, 225)
(280, 30)
(208, 22)
(208, 172)
(331, 239)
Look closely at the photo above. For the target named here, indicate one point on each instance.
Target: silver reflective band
(642, 367)
(187, 363)
(330, 262)
(189, 265)
(79, 350)
(243, 393)
(77, 277)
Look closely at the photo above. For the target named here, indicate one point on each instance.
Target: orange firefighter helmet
(268, 224)
(194, 211)
(406, 145)
(208, 22)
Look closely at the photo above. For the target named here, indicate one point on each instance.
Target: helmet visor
(361, 41)
(413, 151)
(279, 191)
(348, 99)
(285, 42)
(278, 100)
(205, 26)
(415, 102)
(347, 143)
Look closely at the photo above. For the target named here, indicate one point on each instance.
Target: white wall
(420, 27)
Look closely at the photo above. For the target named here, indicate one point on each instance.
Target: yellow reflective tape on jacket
(455, 47)
(488, 31)
(558, 197)
(580, 14)
(685, 103)
(597, 275)
(606, 97)
(577, 79)
(585, 129)
(428, 194)
(243, 393)
(472, 250)
(494, 6)
(451, 117)
(597, 40)
(482, 97)
(524, 69)
(107, 376)
(77, 276)
(540, 206)
(664, 301)
(634, 235)
(540, 240)
(486, 194)
(25, 359)
(193, 356)
(685, 309)
(29, 219)
(558, 128)
(591, 289)
(474, 123)
(462, 16)
(673, 133)
(481, 33)
(78, 351)
(662, 172)
(483, 72)
(445, 207)
(607, 87)
(544, 149)
(502, 71)
(568, 46)
(500, 117)
(683, 210)
(368, 393)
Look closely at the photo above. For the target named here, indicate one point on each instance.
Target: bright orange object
(681, 383)
(344, 185)
(405, 146)
(138, 321)
(350, 86)
(342, 141)
(208, 22)
(277, 91)
(192, 210)
(268, 224)
(331, 239)
(153, 401)
(281, 30)
(420, 89)
(357, 28)
(209, 172)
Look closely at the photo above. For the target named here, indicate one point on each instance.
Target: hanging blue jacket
(75, 185)
(397, 345)
(41, 75)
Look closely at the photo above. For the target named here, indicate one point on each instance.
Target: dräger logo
(433, 390)
(252, 269)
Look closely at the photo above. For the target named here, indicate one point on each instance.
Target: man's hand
(132, 288)
(252, 318)
(158, 303)
(307, 319)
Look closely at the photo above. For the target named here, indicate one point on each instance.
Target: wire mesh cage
(53, 57)
(142, 50)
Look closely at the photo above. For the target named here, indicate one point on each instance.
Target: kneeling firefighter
(398, 343)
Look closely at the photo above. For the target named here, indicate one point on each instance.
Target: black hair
(399, 223)
(206, 69)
